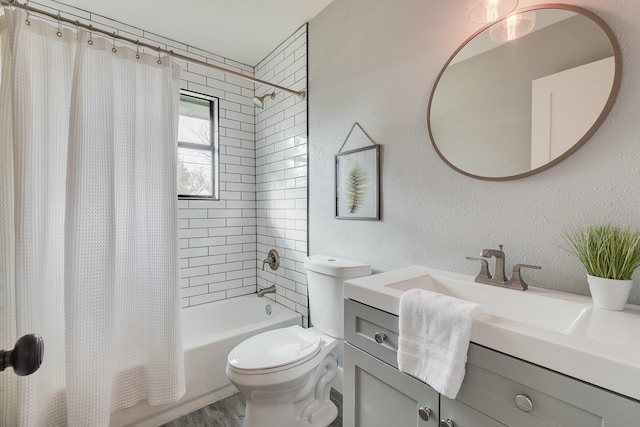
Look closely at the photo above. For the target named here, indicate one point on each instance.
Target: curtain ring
(159, 60)
(59, 32)
(26, 7)
(113, 48)
(90, 41)
(137, 49)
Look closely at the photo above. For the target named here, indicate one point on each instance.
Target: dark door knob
(26, 356)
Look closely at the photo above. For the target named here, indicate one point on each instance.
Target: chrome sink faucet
(499, 277)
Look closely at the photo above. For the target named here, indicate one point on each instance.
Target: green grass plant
(606, 250)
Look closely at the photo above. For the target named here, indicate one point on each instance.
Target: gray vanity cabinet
(498, 390)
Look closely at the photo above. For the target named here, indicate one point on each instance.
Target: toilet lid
(273, 349)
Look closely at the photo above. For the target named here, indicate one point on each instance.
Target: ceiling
(245, 31)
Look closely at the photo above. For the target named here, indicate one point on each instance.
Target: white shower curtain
(90, 243)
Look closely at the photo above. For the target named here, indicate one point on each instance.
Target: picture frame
(357, 183)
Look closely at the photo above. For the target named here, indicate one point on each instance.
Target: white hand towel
(435, 330)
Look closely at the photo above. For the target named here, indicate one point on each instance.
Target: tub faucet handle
(273, 259)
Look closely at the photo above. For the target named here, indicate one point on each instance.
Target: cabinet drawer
(362, 323)
(493, 380)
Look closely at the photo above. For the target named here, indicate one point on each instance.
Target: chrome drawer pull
(523, 402)
(424, 413)
(447, 423)
(379, 337)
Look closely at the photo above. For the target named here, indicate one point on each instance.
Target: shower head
(259, 100)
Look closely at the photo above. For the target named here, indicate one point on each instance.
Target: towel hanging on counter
(435, 331)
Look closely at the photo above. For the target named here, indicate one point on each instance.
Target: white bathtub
(210, 332)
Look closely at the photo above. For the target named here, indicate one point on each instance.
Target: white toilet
(285, 374)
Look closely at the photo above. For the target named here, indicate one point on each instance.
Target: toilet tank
(325, 279)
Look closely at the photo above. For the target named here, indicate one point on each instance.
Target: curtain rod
(115, 35)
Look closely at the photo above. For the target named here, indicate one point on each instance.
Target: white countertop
(600, 347)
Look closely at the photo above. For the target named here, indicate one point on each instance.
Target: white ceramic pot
(609, 294)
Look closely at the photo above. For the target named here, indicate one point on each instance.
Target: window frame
(213, 148)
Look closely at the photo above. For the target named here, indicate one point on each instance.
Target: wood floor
(229, 412)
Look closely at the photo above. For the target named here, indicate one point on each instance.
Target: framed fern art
(358, 182)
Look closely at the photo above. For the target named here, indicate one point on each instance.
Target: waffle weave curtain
(89, 224)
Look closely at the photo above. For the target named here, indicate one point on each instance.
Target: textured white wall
(375, 62)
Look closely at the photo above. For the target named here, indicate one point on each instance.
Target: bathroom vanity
(559, 370)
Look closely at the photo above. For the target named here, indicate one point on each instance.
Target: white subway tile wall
(281, 173)
(223, 242)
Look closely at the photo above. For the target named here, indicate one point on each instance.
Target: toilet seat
(274, 350)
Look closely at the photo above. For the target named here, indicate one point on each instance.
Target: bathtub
(210, 331)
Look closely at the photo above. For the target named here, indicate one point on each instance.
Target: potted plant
(610, 254)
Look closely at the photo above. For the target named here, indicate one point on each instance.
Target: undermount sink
(528, 307)
(538, 308)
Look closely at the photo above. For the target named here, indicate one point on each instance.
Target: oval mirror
(524, 93)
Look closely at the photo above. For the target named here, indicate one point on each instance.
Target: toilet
(285, 374)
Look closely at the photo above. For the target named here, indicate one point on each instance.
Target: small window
(198, 146)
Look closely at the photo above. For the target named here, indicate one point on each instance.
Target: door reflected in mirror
(508, 109)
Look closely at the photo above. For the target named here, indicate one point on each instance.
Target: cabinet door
(378, 395)
(462, 415)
